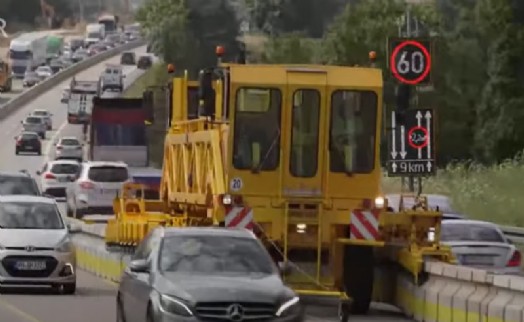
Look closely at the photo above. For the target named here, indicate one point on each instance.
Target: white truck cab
(112, 78)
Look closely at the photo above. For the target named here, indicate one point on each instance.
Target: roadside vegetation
(478, 73)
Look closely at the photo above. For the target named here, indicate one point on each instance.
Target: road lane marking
(26, 316)
(52, 140)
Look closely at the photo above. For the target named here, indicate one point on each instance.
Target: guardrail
(31, 94)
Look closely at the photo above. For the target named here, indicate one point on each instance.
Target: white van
(112, 78)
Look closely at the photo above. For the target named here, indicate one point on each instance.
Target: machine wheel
(343, 311)
(119, 312)
(358, 277)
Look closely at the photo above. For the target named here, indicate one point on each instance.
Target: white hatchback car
(46, 115)
(97, 184)
(57, 175)
(69, 147)
(44, 72)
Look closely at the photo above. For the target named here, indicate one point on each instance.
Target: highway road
(17, 83)
(95, 298)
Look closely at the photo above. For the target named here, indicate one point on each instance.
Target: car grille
(9, 263)
(220, 311)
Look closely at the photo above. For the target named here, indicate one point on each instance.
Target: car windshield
(30, 215)
(29, 136)
(454, 232)
(17, 185)
(108, 174)
(33, 120)
(214, 255)
(64, 168)
(70, 142)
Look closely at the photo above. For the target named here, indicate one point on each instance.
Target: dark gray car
(204, 274)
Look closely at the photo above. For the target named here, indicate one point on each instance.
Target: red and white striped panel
(239, 217)
(364, 224)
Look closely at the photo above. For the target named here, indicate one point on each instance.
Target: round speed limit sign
(410, 61)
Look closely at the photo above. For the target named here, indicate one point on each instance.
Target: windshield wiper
(266, 156)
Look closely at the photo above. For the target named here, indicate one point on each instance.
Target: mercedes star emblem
(30, 248)
(235, 312)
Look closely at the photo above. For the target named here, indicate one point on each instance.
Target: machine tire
(358, 277)
(119, 311)
(343, 311)
(149, 317)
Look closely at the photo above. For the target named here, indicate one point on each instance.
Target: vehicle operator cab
(112, 78)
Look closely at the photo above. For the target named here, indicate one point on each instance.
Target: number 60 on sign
(410, 60)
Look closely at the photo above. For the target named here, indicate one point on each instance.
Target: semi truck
(110, 23)
(94, 33)
(27, 52)
(55, 45)
(80, 101)
(118, 133)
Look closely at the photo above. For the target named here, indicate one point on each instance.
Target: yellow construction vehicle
(291, 152)
(6, 79)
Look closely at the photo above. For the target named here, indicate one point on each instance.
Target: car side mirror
(74, 228)
(139, 266)
(284, 268)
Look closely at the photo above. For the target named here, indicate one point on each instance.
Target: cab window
(305, 132)
(256, 141)
(353, 131)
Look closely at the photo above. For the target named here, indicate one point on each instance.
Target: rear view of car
(56, 176)
(69, 148)
(35, 124)
(46, 116)
(145, 62)
(128, 58)
(482, 245)
(28, 142)
(96, 187)
(112, 78)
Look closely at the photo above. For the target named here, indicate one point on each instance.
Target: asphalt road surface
(95, 298)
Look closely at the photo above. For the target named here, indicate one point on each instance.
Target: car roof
(470, 222)
(26, 198)
(105, 163)
(63, 161)
(69, 138)
(41, 110)
(208, 231)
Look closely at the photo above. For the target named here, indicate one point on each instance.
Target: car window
(64, 168)
(470, 232)
(30, 215)
(29, 136)
(71, 142)
(108, 174)
(214, 255)
(33, 120)
(18, 185)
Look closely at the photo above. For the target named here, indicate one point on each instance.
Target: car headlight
(174, 306)
(64, 246)
(288, 307)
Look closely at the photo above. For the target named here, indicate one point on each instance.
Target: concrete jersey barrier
(451, 294)
(31, 94)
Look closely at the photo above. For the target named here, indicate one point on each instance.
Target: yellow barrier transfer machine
(291, 152)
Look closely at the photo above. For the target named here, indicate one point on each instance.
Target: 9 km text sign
(411, 144)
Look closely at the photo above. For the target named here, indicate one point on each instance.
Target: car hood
(249, 288)
(31, 237)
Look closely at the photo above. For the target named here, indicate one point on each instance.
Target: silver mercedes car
(204, 274)
(35, 246)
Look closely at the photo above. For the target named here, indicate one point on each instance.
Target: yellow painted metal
(198, 164)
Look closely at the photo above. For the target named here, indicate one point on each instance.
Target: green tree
(500, 114)
(291, 49)
(186, 32)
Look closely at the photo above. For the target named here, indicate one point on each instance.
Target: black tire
(150, 317)
(78, 214)
(42, 136)
(120, 317)
(343, 311)
(358, 277)
(70, 289)
(39, 152)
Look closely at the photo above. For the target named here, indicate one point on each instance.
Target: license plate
(477, 260)
(62, 179)
(30, 265)
(29, 147)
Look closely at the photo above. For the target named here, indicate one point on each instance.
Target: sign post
(411, 145)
